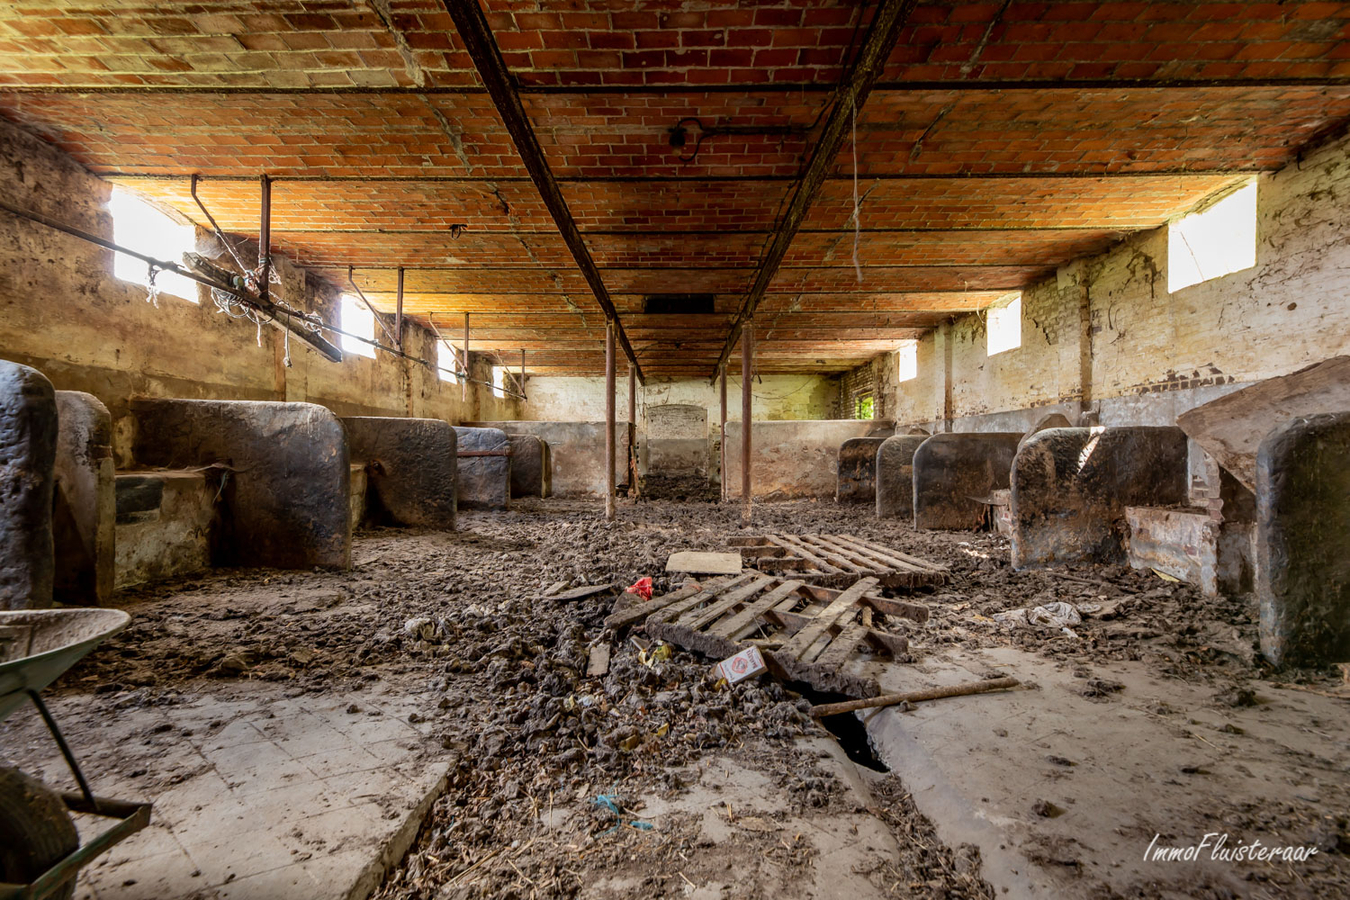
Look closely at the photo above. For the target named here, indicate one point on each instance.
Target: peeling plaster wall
(775, 397)
(64, 313)
(1105, 334)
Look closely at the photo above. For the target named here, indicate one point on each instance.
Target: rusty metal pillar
(747, 366)
(609, 420)
(265, 240)
(464, 385)
(722, 436)
(632, 431)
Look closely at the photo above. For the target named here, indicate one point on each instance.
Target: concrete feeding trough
(697, 562)
(1071, 486)
(955, 473)
(410, 466)
(284, 493)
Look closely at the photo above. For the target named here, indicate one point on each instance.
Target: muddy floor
(573, 785)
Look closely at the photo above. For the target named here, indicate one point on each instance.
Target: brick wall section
(1145, 345)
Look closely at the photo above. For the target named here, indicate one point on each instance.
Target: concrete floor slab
(271, 797)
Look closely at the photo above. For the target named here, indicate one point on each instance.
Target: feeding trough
(41, 853)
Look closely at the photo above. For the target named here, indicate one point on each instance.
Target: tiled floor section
(274, 797)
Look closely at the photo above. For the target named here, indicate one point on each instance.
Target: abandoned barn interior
(674, 448)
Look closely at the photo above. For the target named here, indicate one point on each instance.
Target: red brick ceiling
(1004, 139)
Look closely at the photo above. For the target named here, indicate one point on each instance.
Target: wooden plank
(697, 619)
(842, 647)
(730, 626)
(862, 556)
(881, 641)
(846, 601)
(914, 611)
(837, 557)
(917, 562)
(791, 543)
(878, 555)
(675, 610)
(641, 611)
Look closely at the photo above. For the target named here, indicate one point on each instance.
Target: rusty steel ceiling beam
(853, 93)
(476, 34)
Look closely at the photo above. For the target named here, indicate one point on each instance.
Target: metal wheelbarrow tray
(36, 648)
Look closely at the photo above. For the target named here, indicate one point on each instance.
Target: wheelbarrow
(40, 851)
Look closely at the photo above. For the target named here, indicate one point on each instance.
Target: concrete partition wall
(84, 516)
(483, 478)
(410, 469)
(858, 470)
(794, 458)
(1303, 530)
(286, 494)
(895, 475)
(1070, 488)
(578, 453)
(531, 466)
(28, 436)
(954, 472)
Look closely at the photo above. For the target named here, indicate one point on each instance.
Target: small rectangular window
(446, 362)
(907, 361)
(1004, 327)
(141, 227)
(499, 382)
(1217, 241)
(359, 321)
(863, 407)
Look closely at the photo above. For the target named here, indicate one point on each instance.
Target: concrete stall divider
(858, 470)
(85, 510)
(895, 475)
(795, 458)
(411, 468)
(1071, 487)
(1303, 529)
(576, 451)
(484, 475)
(28, 440)
(954, 475)
(531, 466)
(284, 490)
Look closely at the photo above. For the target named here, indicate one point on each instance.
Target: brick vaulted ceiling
(1004, 138)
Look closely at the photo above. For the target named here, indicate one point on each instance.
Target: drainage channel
(847, 729)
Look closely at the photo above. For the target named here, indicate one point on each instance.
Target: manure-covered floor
(650, 780)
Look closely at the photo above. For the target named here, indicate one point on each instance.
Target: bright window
(1004, 331)
(359, 321)
(141, 227)
(1218, 241)
(863, 407)
(907, 361)
(445, 362)
(498, 381)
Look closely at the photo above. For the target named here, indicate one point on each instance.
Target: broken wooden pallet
(806, 632)
(836, 560)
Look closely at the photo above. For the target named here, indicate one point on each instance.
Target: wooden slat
(872, 555)
(914, 561)
(675, 610)
(699, 618)
(643, 610)
(730, 626)
(791, 543)
(914, 611)
(846, 600)
(837, 556)
(843, 645)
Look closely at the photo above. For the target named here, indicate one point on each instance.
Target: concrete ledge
(286, 498)
(84, 517)
(792, 458)
(411, 468)
(954, 472)
(1303, 530)
(1070, 487)
(858, 470)
(895, 475)
(28, 439)
(483, 481)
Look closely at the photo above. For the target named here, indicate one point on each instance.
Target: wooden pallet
(836, 560)
(805, 632)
